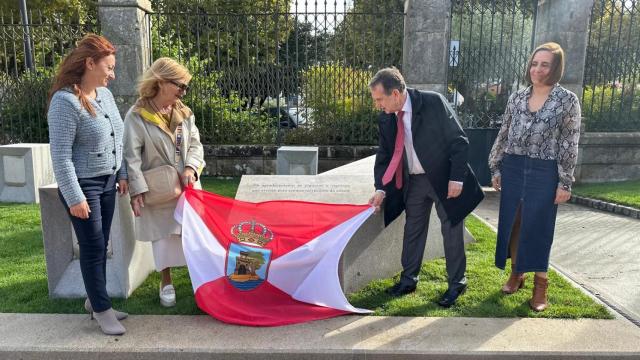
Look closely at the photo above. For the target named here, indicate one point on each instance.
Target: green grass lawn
(23, 284)
(624, 192)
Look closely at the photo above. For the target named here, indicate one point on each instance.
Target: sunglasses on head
(183, 87)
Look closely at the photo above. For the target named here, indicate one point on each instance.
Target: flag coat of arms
(269, 263)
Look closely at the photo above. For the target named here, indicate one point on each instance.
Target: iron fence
(29, 53)
(281, 72)
(611, 96)
(489, 47)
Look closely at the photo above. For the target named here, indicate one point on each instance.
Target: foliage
(306, 46)
(368, 20)
(242, 31)
(81, 9)
(611, 108)
(611, 99)
(342, 111)
(223, 119)
(612, 50)
(23, 106)
(623, 192)
(56, 26)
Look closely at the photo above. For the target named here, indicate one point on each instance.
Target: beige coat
(148, 145)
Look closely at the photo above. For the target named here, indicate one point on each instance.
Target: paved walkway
(596, 249)
(159, 337)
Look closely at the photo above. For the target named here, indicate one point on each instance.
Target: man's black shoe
(450, 296)
(400, 289)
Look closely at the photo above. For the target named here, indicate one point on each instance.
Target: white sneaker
(167, 296)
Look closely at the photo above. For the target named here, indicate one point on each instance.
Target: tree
(232, 33)
(611, 100)
(56, 25)
(370, 36)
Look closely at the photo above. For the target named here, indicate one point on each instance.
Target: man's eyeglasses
(183, 87)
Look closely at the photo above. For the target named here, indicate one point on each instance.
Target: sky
(320, 5)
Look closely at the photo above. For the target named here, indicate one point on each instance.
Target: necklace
(162, 111)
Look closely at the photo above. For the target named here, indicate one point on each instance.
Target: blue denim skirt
(530, 184)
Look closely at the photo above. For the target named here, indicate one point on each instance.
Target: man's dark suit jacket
(442, 148)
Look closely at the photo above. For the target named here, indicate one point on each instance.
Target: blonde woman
(161, 130)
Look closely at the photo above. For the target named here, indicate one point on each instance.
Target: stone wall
(605, 157)
(237, 160)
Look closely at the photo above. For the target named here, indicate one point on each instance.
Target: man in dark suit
(422, 160)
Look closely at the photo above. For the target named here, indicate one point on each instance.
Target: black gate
(274, 72)
(490, 41)
(611, 97)
(29, 53)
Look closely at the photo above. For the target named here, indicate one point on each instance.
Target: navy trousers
(93, 237)
(419, 202)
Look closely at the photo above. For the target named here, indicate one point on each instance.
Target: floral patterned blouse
(551, 133)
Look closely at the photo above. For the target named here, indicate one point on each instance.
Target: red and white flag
(269, 263)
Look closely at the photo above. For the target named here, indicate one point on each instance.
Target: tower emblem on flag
(247, 266)
(252, 232)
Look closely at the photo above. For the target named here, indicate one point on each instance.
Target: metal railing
(611, 96)
(29, 54)
(284, 72)
(489, 47)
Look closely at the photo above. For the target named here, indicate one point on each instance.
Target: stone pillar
(124, 23)
(567, 23)
(425, 44)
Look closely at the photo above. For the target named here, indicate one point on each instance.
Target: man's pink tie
(395, 165)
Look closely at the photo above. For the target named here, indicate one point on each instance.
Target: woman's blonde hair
(163, 69)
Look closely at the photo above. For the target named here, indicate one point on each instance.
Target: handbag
(163, 183)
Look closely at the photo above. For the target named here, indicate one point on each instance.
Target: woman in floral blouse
(532, 163)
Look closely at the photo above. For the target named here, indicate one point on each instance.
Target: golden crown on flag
(252, 232)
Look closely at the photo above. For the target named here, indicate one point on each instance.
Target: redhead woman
(85, 134)
(532, 163)
(160, 132)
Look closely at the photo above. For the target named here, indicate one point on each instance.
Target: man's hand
(137, 203)
(123, 186)
(562, 196)
(188, 176)
(376, 200)
(80, 210)
(455, 189)
(495, 181)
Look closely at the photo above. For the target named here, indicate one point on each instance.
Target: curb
(606, 206)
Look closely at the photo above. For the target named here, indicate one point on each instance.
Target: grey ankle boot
(119, 314)
(108, 322)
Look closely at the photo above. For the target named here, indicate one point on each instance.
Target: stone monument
(129, 262)
(24, 168)
(374, 250)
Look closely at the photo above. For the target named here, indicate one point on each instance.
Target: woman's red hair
(72, 67)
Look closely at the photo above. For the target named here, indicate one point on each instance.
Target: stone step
(50, 337)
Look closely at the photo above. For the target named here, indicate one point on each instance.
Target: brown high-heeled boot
(515, 282)
(538, 301)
